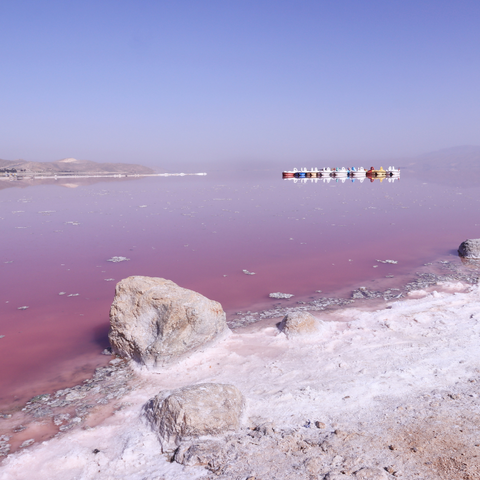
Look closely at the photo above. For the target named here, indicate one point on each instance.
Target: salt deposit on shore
(383, 394)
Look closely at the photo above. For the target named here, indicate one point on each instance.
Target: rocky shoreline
(84, 407)
(449, 272)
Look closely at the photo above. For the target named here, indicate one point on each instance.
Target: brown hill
(71, 165)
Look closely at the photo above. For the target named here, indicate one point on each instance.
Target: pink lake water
(200, 232)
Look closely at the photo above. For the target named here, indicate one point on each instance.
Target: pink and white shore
(388, 393)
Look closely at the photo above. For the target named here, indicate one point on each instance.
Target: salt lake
(303, 238)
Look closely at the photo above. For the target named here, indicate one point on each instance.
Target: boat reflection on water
(341, 179)
(342, 174)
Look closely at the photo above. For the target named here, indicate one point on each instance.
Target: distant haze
(175, 84)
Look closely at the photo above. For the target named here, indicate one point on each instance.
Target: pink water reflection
(201, 232)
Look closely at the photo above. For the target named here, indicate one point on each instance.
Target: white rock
(371, 474)
(195, 411)
(300, 323)
(155, 322)
(470, 248)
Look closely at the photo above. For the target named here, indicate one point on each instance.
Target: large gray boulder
(300, 323)
(156, 322)
(470, 248)
(195, 411)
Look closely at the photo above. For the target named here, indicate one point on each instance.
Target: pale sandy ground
(397, 390)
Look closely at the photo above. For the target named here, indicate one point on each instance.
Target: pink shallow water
(201, 232)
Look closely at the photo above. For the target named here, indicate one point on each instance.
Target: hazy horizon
(190, 83)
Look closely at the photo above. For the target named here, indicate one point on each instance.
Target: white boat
(340, 172)
(393, 172)
(325, 172)
(358, 172)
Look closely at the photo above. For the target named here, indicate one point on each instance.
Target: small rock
(209, 454)
(313, 465)
(75, 395)
(342, 434)
(470, 248)
(40, 398)
(300, 323)
(61, 418)
(371, 474)
(320, 424)
(19, 428)
(336, 476)
(266, 428)
(27, 443)
(4, 445)
(194, 411)
(337, 460)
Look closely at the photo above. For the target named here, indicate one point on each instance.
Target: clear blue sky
(165, 82)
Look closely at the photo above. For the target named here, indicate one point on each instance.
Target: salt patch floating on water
(23, 308)
(74, 295)
(388, 261)
(118, 259)
(62, 293)
(246, 272)
(280, 295)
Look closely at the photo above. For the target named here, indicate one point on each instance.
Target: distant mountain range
(453, 166)
(451, 158)
(72, 165)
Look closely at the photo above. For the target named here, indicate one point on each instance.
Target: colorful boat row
(341, 172)
(394, 179)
